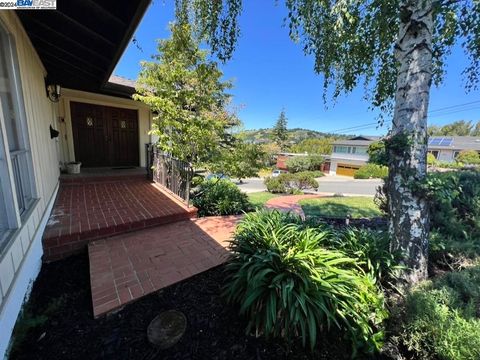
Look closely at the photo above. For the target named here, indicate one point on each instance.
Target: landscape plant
(220, 197)
(431, 160)
(304, 163)
(371, 171)
(470, 157)
(288, 285)
(291, 183)
(442, 320)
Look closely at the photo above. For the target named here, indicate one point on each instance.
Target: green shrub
(291, 183)
(304, 163)
(372, 250)
(312, 173)
(298, 163)
(371, 171)
(454, 199)
(431, 160)
(441, 318)
(452, 252)
(220, 197)
(275, 185)
(468, 157)
(288, 285)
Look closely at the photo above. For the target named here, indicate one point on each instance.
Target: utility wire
(453, 109)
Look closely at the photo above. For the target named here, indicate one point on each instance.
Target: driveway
(328, 184)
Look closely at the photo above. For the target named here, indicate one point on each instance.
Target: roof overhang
(81, 42)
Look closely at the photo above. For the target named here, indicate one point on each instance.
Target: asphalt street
(327, 184)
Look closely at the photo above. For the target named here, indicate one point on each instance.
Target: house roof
(81, 41)
(455, 142)
(357, 140)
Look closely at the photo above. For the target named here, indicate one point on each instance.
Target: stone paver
(89, 208)
(289, 203)
(126, 267)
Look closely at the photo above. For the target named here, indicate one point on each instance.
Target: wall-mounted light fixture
(53, 90)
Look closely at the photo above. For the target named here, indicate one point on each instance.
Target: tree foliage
(188, 98)
(457, 128)
(242, 161)
(377, 153)
(468, 157)
(321, 146)
(352, 42)
(280, 132)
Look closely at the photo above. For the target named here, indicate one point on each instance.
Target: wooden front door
(104, 136)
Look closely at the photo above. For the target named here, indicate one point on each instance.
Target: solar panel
(446, 142)
(435, 141)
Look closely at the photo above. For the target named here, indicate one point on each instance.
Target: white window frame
(12, 216)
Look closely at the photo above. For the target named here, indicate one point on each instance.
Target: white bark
(409, 213)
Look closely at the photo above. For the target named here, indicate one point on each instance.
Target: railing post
(187, 186)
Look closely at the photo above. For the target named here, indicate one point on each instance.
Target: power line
(453, 109)
(454, 106)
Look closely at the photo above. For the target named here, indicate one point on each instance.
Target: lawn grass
(356, 207)
(258, 199)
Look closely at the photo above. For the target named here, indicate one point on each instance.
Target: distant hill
(295, 135)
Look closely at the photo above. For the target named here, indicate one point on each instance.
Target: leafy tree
(186, 93)
(271, 150)
(457, 128)
(397, 49)
(468, 157)
(321, 146)
(434, 130)
(377, 153)
(296, 164)
(280, 132)
(242, 161)
(303, 163)
(476, 130)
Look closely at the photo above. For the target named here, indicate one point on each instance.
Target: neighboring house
(447, 148)
(77, 47)
(349, 155)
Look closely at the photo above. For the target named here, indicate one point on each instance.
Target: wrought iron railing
(172, 174)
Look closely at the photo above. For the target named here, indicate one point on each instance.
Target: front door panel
(105, 136)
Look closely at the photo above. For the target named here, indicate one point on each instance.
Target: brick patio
(89, 208)
(126, 267)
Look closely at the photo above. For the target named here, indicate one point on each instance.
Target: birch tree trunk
(407, 146)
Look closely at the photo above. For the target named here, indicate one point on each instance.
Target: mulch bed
(214, 329)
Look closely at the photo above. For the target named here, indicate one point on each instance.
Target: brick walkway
(289, 203)
(129, 266)
(90, 208)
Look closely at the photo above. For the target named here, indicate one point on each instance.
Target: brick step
(87, 211)
(127, 267)
(59, 246)
(87, 179)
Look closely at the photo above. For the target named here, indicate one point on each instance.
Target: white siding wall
(20, 261)
(67, 152)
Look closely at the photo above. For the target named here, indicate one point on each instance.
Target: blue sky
(270, 72)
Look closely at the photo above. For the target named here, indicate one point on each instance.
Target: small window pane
(6, 97)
